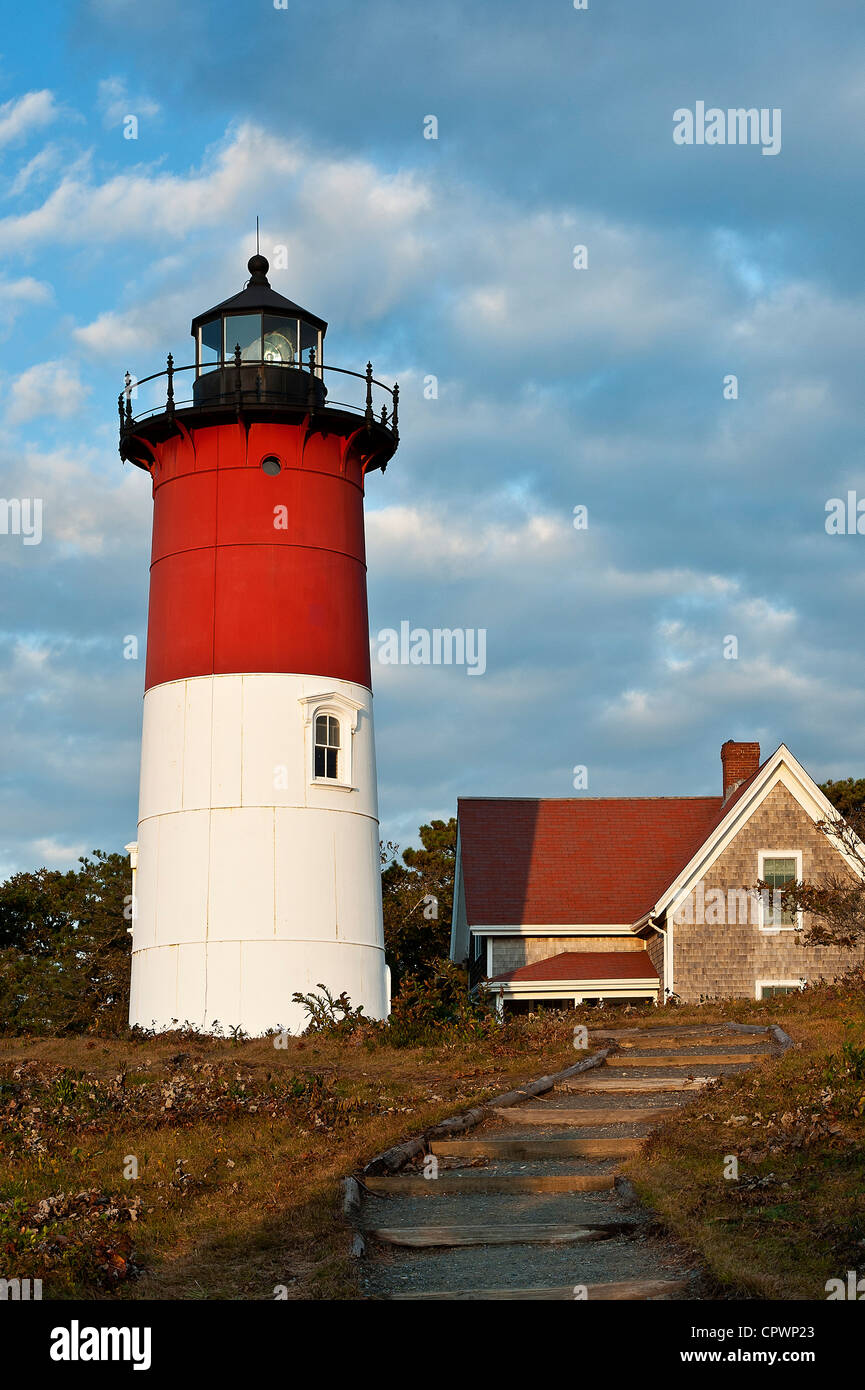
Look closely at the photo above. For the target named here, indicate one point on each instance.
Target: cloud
(51, 389)
(21, 294)
(116, 103)
(22, 115)
(148, 204)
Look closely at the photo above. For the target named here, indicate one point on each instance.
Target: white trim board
(596, 929)
(782, 769)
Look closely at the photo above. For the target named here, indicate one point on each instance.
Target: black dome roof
(258, 296)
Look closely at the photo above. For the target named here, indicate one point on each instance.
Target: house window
(767, 989)
(478, 943)
(777, 869)
(326, 764)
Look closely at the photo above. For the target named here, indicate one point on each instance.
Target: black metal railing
(240, 388)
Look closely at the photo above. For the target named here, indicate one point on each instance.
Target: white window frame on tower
(345, 711)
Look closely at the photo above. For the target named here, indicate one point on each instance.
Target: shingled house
(644, 898)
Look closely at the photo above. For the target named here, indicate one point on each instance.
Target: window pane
(318, 766)
(309, 337)
(332, 756)
(333, 740)
(280, 340)
(777, 872)
(246, 330)
(321, 728)
(211, 342)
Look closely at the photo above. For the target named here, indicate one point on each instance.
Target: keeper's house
(643, 898)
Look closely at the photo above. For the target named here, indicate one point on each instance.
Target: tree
(846, 796)
(65, 947)
(417, 901)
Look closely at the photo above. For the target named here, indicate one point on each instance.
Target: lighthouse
(256, 871)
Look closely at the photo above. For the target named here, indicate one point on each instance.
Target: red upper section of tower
(257, 572)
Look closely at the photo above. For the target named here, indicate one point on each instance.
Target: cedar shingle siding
(510, 953)
(727, 960)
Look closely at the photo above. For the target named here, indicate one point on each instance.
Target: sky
(602, 385)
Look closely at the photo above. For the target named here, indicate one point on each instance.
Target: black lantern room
(270, 339)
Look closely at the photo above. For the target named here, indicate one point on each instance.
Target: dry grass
(264, 1136)
(254, 1204)
(796, 1215)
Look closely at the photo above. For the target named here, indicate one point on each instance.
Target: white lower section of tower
(255, 879)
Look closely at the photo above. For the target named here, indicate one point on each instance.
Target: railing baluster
(169, 398)
(310, 395)
(369, 415)
(238, 377)
(394, 419)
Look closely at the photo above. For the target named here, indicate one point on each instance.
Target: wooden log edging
(783, 1039)
(396, 1157)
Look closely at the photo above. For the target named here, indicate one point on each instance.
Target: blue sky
(557, 387)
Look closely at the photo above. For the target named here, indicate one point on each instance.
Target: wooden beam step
(523, 1233)
(553, 1115)
(708, 1059)
(511, 1149)
(706, 1040)
(464, 1184)
(626, 1289)
(640, 1085)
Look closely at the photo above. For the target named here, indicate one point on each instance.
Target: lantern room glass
(272, 338)
(280, 340)
(245, 330)
(210, 343)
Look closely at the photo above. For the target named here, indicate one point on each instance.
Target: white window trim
(762, 856)
(760, 985)
(346, 711)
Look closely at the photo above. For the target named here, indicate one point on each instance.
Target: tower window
(326, 747)
(271, 465)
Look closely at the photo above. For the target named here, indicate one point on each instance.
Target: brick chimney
(739, 761)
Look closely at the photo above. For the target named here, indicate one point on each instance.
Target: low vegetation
(764, 1178)
(238, 1147)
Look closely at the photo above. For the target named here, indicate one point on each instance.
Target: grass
(795, 1216)
(239, 1149)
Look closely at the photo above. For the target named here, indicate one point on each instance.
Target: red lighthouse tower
(256, 871)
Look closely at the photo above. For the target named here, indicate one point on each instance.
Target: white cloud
(116, 103)
(17, 295)
(24, 114)
(49, 389)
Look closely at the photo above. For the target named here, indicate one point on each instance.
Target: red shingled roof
(586, 965)
(580, 861)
